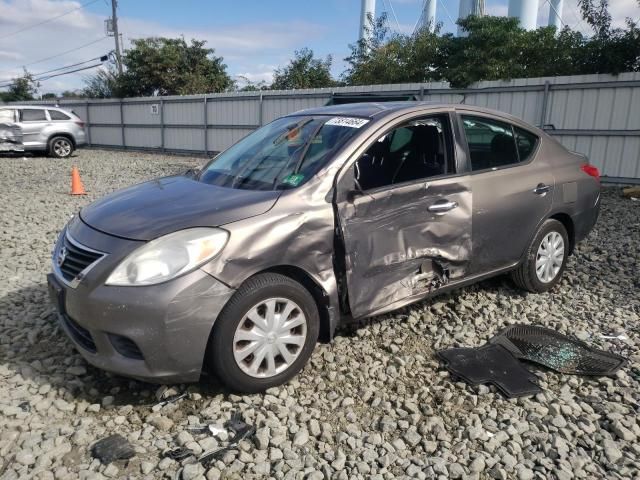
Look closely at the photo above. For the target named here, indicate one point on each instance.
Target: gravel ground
(372, 404)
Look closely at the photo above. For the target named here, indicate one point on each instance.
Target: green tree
(610, 50)
(104, 84)
(304, 71)
(171, 66)
(22, 88)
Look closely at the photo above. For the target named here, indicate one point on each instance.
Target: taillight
(80, 124)
(591, 171)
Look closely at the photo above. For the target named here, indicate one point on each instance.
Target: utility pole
(114, 19)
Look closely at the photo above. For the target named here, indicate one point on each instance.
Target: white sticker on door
(350, 122)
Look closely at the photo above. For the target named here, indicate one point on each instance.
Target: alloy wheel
(62, 147)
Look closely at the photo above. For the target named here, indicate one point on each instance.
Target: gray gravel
(372, 404)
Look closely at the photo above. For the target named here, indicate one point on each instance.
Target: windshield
(283, 154)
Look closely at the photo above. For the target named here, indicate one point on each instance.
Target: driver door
(404, 216)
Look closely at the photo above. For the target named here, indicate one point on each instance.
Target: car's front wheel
(546, 258)
(60, 147)
(265, 334)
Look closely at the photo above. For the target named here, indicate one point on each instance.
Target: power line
(28, 27)
(61, 68)
(58, 74)
(62, 53)
(46, 75)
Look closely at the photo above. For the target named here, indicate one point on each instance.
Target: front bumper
(155, 333)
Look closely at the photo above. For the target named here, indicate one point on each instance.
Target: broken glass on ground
(556, 351)
(491, 364)
(111, 448)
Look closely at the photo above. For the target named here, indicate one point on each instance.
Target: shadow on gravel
(33, 345)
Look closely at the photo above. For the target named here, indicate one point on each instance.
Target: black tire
(525, 275)
(220, 354)
(60, 147)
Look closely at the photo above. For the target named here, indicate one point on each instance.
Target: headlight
(167, 257)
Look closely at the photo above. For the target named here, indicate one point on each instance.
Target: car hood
(155, 208)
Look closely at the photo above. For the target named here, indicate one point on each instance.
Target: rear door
(404, 214)
(512, 189)
(33, 122)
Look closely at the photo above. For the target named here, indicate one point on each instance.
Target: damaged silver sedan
(328, 214)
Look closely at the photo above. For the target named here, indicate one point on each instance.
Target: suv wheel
(546, 258)
(60, 147)
(265, 334)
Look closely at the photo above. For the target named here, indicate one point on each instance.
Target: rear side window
(56, 115)
(526, 142)
(491, 143)
(33, 115)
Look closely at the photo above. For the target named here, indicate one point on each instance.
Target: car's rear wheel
(265, 334)
(60, 147)
(546, 258)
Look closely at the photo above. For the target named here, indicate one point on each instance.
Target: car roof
(382, 109)
(23, 107)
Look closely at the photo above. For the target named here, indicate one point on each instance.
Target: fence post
(88, 122)
(545, 101)
(162, 124)
(261, 112)
(206, 127)
(421, 93)
(124, 143)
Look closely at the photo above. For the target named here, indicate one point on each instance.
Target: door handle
(442, 206)
(541, 189)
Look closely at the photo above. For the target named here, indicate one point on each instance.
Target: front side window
(33, 115)
(491, 143)
(7, 115)
(416, 150)
(281, 155)
(57, 115)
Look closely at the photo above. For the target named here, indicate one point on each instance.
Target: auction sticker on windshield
(350, 122)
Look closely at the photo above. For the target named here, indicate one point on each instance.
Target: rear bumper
(584, 221)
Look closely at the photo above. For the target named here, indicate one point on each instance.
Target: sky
(253, 36)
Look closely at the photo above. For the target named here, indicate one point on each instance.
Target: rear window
(33, 115)
(57, 115)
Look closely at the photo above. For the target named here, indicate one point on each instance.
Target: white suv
(52, 130)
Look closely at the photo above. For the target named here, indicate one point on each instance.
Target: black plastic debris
(114, 447)
(241, 429)
(178, 454)
(172, 399)
(491, 364)
(556, 351)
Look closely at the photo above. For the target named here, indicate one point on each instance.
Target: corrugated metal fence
(598, 115)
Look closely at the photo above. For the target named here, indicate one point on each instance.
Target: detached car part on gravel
(332, 213)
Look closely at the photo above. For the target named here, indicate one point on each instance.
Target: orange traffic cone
(76, 184)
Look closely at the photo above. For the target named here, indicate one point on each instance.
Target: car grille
(80, 334)
(75, 259)
(125, 347)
